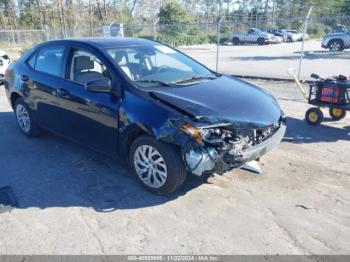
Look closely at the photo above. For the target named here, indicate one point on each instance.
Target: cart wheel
(337, 113)
(314, 116)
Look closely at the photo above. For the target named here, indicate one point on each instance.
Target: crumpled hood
(225, 99)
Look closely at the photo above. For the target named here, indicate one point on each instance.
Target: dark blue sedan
(166, 113)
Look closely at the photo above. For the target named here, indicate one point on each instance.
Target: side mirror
(102, 85)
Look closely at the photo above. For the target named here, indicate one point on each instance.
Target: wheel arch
(235, 40)
(339, 40)
(13, 97)
(129, 134)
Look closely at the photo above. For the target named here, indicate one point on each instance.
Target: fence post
(75, 30)
(13, 36)
(218, 44)
(303, 41)
(47, 33)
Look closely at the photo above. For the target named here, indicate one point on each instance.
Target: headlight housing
(193, 132)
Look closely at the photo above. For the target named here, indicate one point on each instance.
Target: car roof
(105, 42)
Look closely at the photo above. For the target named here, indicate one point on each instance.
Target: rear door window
(50, 60)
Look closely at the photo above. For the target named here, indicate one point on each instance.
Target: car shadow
(51, 172)
(299, 131)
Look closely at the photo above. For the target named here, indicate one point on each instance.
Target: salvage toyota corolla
(166, 113)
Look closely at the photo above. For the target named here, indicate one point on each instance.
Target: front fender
(146, 115)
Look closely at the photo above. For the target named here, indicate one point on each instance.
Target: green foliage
(179, 40)
(174, 13)
(213, 38)
(345, 7)
(132, 31)
(172, 17)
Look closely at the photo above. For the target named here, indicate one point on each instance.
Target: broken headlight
(210, 134)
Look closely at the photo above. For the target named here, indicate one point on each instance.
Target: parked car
(294, 36)
(336, 41)
(280, 33)
(162, 110)
(4, 63)
(254, 35)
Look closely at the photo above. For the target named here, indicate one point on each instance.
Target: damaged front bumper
(201, 159)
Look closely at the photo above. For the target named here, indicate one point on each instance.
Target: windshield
(154, 65)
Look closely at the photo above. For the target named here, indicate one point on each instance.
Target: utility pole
(90, 18)
(61, 15)
(273, 13)
(303, 42)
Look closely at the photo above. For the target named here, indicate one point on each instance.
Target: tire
(336, 45)
(149, 173)
(337, 113)
(235, 41)
(314, 116)
(25, 121)
(261, 41)
(289, 39)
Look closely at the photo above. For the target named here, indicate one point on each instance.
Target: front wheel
(157, 165)
(336, 45)
(337, 113)
(24, 119)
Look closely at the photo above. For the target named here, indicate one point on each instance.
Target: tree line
(68, 14)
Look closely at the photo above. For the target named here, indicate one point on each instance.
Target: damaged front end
(218, 148)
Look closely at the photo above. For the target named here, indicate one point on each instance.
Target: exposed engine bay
(221, 147)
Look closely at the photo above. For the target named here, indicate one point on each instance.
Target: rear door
(44, 80)
(89, 118)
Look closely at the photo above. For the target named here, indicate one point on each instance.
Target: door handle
(24, 78)
(62, 92)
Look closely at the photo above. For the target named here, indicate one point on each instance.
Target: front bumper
(208, 160)
(265, 146)
(273, 41)
(276, 40)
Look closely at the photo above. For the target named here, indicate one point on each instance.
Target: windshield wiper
(195, 77)
(150, 81)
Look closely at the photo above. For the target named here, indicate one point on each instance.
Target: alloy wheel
(150, 166)
(335, 46)
(23, 118)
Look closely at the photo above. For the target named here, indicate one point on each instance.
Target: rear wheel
(337, 113)
(157, 165)
(235, 41)
(25, 120)
(314, 116)
(261, 41)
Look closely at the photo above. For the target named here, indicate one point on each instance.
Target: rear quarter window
(50, 60)
(31, 61)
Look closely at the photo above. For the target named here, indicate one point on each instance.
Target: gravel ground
(273, 60)
(75, 201)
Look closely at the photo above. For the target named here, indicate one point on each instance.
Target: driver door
(89, 118)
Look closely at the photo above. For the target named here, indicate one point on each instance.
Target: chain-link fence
(257, 47)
